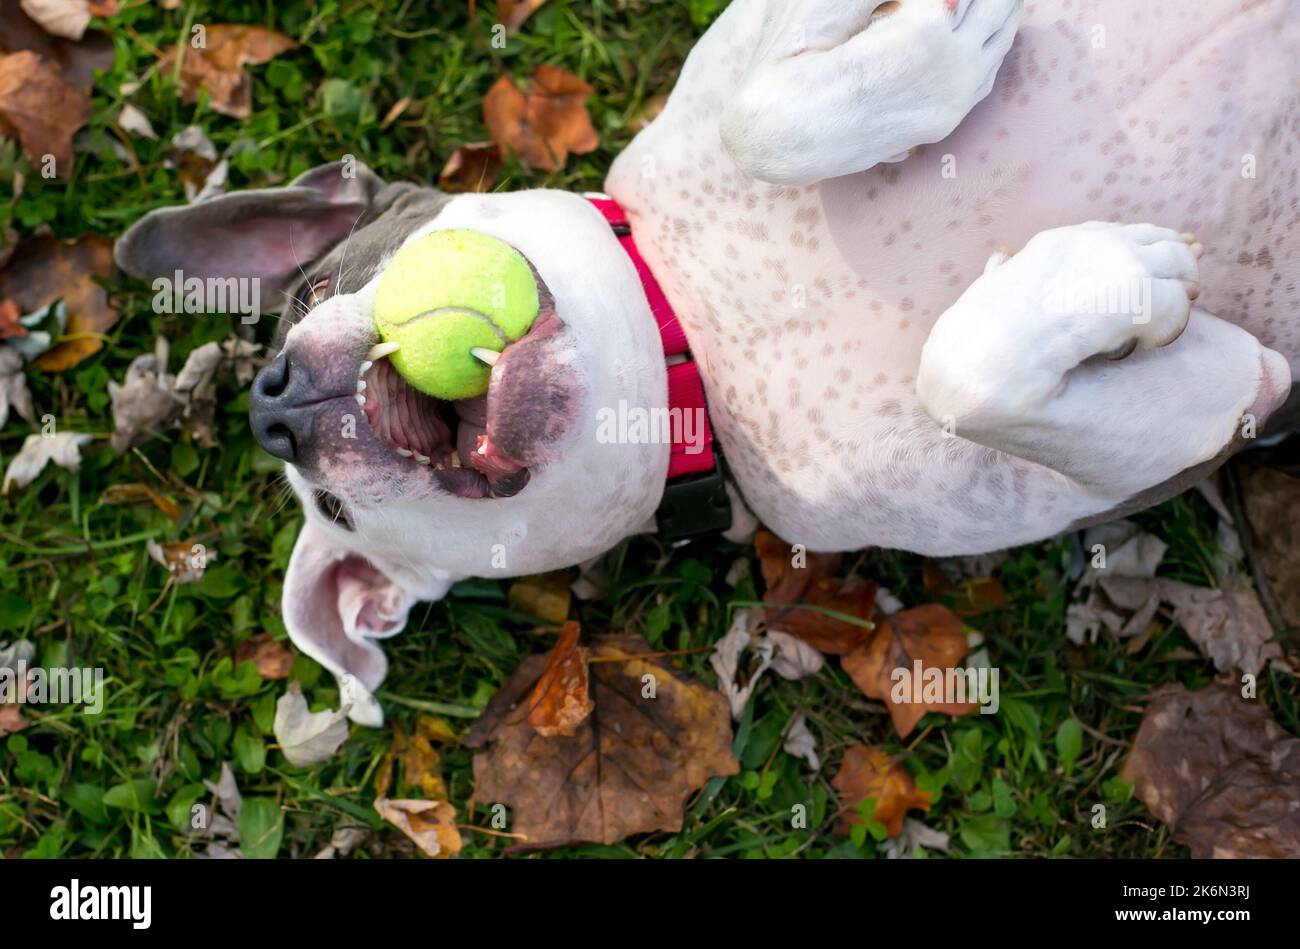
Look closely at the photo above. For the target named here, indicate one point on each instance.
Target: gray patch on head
(396, 212)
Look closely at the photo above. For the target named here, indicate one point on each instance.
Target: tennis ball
(445, 294)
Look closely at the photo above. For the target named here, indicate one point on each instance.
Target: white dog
(880, 368)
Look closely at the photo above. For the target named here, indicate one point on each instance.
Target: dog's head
(403, 493)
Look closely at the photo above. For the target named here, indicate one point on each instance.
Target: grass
(79, 584)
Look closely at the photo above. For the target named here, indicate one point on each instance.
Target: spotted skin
(809, 305)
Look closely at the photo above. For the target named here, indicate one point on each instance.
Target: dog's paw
(1119, 286)
(838, 88)
(941, 57)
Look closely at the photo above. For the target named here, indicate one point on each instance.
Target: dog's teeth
(488, 356)
(455, 459)
(365, 368)
(421, 459)
(405, 452)
(361, 400)
(361, 385)
(380, 350)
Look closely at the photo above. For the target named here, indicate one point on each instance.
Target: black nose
(278, 409)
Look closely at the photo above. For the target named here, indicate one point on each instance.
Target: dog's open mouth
(481, 447)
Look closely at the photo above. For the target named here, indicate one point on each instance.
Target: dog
(828, 206)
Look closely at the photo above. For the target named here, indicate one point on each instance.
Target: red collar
(685, 388)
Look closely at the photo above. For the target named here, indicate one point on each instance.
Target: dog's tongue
(531, 401)
(505, 475)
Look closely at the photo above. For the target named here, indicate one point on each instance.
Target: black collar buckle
(695, 505)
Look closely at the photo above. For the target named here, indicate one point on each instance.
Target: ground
(79, 584)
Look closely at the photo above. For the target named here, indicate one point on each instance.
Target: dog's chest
(808, 307)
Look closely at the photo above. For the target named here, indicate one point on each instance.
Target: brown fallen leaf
(431, 825)
(185, 560)
(969, 596)
(421, 762)
(545, 124)
(273, 658)
(654, 738)
(870, 772)
(1227, 623)
(800, 585)
(513, 13)
(1218, 770)
(1271, 499)
(472, 167)
(544, 595)
(559, 702)
(77, 62)
(41, 108)
(218, 66)
(45, 269)
(933, 635)
(134, 492)
(11, 719)
(9, 325)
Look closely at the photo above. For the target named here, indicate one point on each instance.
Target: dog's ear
(268, 234)
(336, 603)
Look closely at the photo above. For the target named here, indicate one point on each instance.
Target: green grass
(78, 583)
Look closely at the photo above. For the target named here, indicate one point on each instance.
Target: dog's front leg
(1084, 353)
(837, 87)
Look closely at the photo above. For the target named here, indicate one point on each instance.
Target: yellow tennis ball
(445, 294)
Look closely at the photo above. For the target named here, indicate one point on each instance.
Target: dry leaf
(9, 316)
(932, 634)
(274, 660)
(544, 595)
(628, 769)
(969, 596)
(184, 559)
(202, 171)
(63, 448)
(76, 62)
(789, 657)
(134, 492)
(67, 18)
(1271, 499)
(546, 123)
(218, 67)
(472, 167)
(45, 269)
(421, 763)
(13, 387)
(1219, 771)
(559, 703)
(42, 109)
(800, 741)
(343, 841)
(915, 836)
(134, 122)
(431, 825)
(868, 772)
(1228, 624)
(307, 737)
(801, 584)
(11, 719)
(513, 13)
(150, 400)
